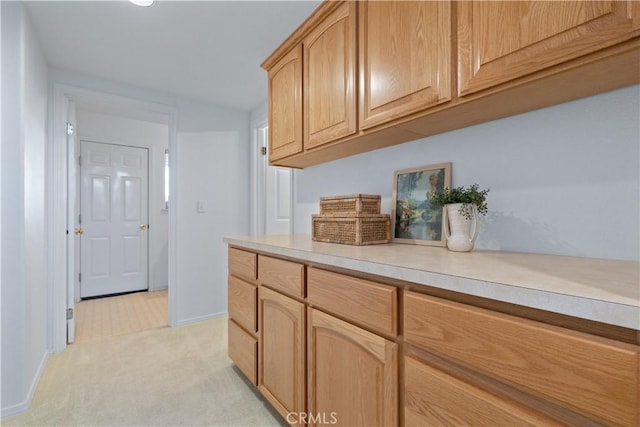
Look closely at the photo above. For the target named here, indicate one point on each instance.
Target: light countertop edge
(569, 298)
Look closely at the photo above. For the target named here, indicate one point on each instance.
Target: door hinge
(80, 277)
(79, 219)
(69, 313)
(69, 128)
(263, 151)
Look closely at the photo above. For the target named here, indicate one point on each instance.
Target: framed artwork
(412, 218)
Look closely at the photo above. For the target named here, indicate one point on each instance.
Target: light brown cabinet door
(500, 41)
(282, 351)
(329, 78)
(353, 374)
(405, 58)
(285, 106)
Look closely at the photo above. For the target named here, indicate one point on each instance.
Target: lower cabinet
(591, 377)
(434, 398)
(243, 350)
(330, 348)
(353, 374)
(282, 353)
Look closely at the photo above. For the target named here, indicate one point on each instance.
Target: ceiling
(208, 51)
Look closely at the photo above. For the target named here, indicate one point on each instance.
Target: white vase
(461, 232)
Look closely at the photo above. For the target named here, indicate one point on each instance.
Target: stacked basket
(351, 220)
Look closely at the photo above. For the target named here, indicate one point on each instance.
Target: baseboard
(201, 318)
(24, 405)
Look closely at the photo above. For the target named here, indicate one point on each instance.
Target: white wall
(213, 156)
(209, 173)
(563, 179)
(112, 129)
(24, 220)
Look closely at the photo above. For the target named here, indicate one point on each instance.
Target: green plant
(466, 196)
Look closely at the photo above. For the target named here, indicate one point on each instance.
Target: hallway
(158, 377)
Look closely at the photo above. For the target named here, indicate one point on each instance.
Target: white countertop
(596, 289)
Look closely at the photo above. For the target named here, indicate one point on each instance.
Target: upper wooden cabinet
(500, 41)
(405, 58)
(361, 75)
(329, 78)
(285, 105)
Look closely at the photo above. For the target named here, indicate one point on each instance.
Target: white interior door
(277, 213)
(277, 192)
(114, 219)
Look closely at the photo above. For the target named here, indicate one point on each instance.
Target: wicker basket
(353, 205)
(352, 230)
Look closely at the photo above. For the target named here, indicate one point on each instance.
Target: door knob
(79, 231)
(143, 226)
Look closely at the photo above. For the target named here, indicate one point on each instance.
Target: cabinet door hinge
(263, 151)
(69, 128)
(69, 313)
(80, 277)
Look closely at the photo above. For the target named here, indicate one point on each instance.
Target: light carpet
(159, 377)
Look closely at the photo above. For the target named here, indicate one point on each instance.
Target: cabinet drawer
(243, 303)
(434, 398)
(243, 350)
(368, 303)
(243, 264)
(594, 376)
(284, 276)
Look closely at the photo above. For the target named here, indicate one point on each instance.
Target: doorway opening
(69, 128)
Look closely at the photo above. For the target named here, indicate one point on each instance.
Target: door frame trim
(57, 173)
(258, 166)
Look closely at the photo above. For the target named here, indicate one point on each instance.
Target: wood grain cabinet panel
(499, 41)
(243, 350)
(353, 374)
(282, 351)
(329, 78)
(434, 398)
(285, 105)
(405, 58)
(370, 304)
(594, 376)
(284, 276)
(243, 303)
(243, 264)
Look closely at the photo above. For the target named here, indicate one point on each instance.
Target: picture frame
(413, 221)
